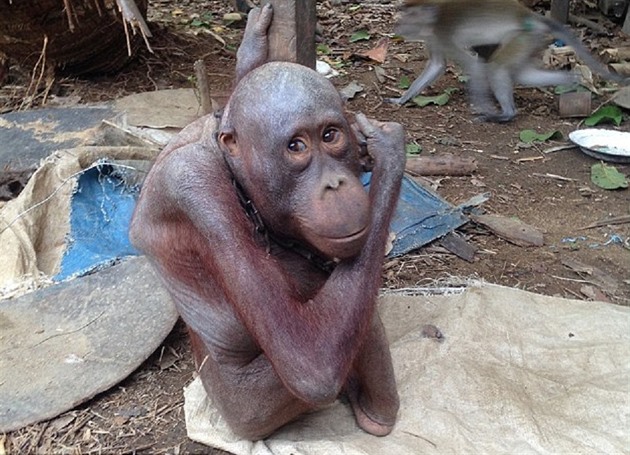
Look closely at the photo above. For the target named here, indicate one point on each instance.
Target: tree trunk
(83, 36)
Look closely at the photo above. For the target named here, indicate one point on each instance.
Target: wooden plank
(292, 32)
(445, 164)
(458, 246)
(510, 229)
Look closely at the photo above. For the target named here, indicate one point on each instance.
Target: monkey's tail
(560, 31)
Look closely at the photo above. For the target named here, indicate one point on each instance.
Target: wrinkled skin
(273, 334)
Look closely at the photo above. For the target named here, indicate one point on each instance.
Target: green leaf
(359, 36)
(413, 149)
(323, 49)
(561, 89)
(439, 100)
(404, 82)
(607, 177)
(529, 136)
(605, 113)
(198, 23)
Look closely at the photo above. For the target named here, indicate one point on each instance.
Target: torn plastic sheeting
(421, 216)
(103, 204)
(100, 214)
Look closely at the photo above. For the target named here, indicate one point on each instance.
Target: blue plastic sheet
(103, 203)
(421, 216)
(100, 213)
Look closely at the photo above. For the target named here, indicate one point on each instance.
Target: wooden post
(560, 10)
(292, 32)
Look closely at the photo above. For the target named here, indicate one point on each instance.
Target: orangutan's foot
(367, 423)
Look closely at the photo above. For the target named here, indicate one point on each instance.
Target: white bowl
(607, 145)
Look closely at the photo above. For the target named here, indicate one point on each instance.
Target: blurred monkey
(457, 29)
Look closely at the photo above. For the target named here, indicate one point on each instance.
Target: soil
(549, 191)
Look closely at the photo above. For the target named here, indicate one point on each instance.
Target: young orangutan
(272, 249)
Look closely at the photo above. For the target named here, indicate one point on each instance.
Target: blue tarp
(100, 213)
(103, 203)
(421, 216)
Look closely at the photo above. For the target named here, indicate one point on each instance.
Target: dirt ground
(550, 191)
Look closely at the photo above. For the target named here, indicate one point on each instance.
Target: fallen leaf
(529, 136)
(323, 49)
(350, 90)
(413, 149)
(594, 293)
(380, 74)
(608, 177)
(608, 113)
(379, 52)
(439, 100)
(360, 35)
(404, 83)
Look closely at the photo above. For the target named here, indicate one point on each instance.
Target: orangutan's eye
(330, 135)
(297, 146)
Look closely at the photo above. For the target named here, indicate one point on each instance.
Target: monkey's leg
(371, 387)
(502, 83)
(480, 89)
(434, 69)
(479, 84)
(502, 87)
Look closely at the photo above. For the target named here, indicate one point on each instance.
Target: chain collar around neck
(259, 227)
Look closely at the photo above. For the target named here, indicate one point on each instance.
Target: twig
(623, 219)
(38, 437)
(68, 7)
(530, 158)
(569, 279)
(421, 437)
(78, 424)
(559, 148)
(203, 87)
(554, 176)
(579, 296)
(28, 98)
